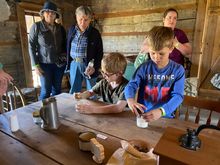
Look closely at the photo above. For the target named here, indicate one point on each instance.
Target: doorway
(30, 18)
(27, 15)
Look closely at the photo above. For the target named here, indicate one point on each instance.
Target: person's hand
(89, 70)
(38, 70)
(176, 43)
(83, 108)
(5, 76)
(5, 79)
(136, 107)
(152, 115)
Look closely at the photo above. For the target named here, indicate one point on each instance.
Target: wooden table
(61, 147)
(171, 153)
(14, 152)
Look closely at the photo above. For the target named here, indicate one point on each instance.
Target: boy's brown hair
(114, 63)
(159, 37)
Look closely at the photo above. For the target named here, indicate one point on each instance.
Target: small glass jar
(141, 122)
(36, 117)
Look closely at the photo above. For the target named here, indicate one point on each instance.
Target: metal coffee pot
(49, 114)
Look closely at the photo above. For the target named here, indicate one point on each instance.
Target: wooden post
(24, 46)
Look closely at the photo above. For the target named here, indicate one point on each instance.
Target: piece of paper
(101, 136)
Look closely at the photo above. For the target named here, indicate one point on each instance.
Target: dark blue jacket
(94, 48)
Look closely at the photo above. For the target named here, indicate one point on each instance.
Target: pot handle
(42, 114)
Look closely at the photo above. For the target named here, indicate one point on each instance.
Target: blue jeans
(77, 70)
(51, 80)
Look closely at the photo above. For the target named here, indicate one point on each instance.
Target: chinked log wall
(11, 53)
(10, 48)
(124, 24)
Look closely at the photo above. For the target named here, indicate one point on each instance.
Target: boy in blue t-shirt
(160, 81)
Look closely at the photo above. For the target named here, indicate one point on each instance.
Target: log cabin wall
(11, 46)
(123, 25)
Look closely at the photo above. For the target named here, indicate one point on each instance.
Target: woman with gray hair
(84, 46)
(47, 49)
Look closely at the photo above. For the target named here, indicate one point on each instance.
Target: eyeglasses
(107, 74)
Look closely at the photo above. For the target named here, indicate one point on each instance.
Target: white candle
(14, 123)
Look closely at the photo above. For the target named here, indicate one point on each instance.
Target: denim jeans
(51, 80)
(77, 76)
